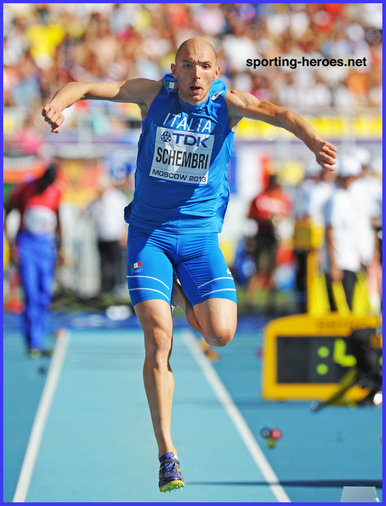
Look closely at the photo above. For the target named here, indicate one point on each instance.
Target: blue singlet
(181, 181)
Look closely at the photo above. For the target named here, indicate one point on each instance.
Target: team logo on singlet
(166, 136)
(137, 267)
(182, 156)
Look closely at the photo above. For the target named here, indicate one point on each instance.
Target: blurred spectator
(363, 192)
(268, 209)
(302, 213)
(304, 189)
(107, 213)
(26, 140)
(343, 260)
(319, 196)
(367, 191)
(35, 250)
(374, 179)
(121, 41)
(315, 210)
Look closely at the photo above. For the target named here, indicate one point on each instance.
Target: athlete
(181, 194)
(36, 249)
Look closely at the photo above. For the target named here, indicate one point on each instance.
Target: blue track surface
(98, 444)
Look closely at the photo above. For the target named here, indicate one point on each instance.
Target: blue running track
(77, 427)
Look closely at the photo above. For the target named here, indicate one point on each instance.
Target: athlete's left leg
(218, 320)
(180, 299)
(215, 319)
(207, 292)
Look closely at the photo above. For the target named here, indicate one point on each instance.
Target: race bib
(182, 156)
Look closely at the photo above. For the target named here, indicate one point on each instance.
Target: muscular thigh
(156, 322)
(149, 268)
(202, 270)
(217, 319)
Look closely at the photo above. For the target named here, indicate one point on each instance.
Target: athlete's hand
(53, 117)
(325, 153)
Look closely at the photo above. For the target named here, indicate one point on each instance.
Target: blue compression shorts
(197, 260)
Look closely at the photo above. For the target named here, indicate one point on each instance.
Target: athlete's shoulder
(148, 89)
(217, 89)
(169, 82)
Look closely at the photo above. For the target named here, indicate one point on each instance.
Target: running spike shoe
(170, 477)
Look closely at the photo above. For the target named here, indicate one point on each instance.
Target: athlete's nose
(196, 72)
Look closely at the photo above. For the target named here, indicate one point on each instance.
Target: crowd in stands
(47, 45)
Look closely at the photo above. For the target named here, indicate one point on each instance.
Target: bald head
(196, 45)
(195, 69)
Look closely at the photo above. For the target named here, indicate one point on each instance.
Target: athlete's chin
(198, 98)
(194, 98)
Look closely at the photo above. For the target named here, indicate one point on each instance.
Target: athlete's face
(195, 69)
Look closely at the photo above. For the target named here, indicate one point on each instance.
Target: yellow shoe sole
(172, 485)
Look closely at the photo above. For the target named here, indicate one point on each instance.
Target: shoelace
(169, 466)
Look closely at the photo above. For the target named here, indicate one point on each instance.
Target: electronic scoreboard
(305, 356)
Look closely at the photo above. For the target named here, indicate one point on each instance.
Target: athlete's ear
(173, 67)
(216, 72)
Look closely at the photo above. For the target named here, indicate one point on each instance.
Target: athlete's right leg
(150, 278)
(156, 322)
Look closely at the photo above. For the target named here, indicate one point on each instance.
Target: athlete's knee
(158, 345)
(156, 323)
(218, 320)
(219, 334)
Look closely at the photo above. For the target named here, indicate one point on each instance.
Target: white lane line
(236, 417)
(41, 417)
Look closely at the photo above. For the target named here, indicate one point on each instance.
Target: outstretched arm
(138, 91)
(244, 105)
